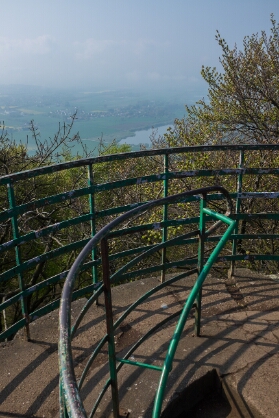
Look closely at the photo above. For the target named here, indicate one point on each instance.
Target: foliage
(243, 100)
(15, 158)
(242, 106)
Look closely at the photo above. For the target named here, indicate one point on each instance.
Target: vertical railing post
(165, 216)
(237, 211)
(110, 332)
(24, 310)
(93, 221)
(200, 264)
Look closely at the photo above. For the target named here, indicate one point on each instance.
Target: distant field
(123, 112)
(12, 127)
(30, 111)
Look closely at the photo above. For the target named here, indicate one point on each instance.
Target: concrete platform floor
(237, 353)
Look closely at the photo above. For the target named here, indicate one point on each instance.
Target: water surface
(143, 137)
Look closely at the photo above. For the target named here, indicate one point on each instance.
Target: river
(143, 137)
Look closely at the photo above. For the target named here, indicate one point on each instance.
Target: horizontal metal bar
(62, 197)
(73, 194)
(222, 172)
(218, 216)
(50, 200)
(41, 258)
(12, 329)
(248, 216)
(254, 236)
(124, 316)
(154, 226)
(43, 311)
(123, 209)
(151, 292)
(258, 195)
(138, 154)
(248, 257)
(138, 363)
(45, 231)
(167, 266)
(150, 251)
(130, 352)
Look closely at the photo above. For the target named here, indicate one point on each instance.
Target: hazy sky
(118, 43)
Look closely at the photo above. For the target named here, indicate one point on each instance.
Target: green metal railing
(70, 398)
(194, 295)
(42, 232)
(19, 260)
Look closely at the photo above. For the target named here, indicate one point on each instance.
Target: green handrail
(167, 367)
(70, 389)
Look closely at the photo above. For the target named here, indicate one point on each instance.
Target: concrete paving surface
(236, 355)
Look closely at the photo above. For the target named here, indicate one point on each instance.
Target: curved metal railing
(42, 207)
(70, 398)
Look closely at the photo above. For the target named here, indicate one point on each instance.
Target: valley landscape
(107, 114)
